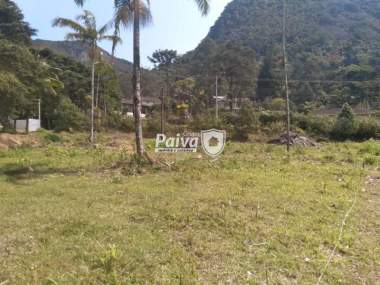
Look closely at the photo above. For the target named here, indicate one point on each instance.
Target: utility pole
(162, 110)
(286, 77)
(216, 99)
(39, 111)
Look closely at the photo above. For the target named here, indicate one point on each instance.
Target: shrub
(344, 129)
(268, 117)
(50, 137)
(276, 104)
(207, 121)
(273, 130)
(127, 124)
(68, 116)
(370, 147)
(345, 126)
(152, 125)
(114, 120)
(367, 129)
(315, 126)
(246, 122)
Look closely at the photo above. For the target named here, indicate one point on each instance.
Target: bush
(268, 117)
(345, 126)
(276, 104)
(48, 136)
(371, 148)
(114, 120)
(207, 121)
(245, 124)
(127, 124)
(367, 129)
(344, 129)
(68, 116)
(152, 125)
(315, 126)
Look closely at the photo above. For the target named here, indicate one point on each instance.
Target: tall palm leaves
(137, 13)
(79, 2)
(84, 29)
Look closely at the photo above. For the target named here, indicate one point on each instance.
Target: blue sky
(177, 24)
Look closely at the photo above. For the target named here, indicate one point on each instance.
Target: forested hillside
(123, 68)
(61, 83)
(327, 40)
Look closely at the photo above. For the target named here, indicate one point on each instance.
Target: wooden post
(162, 110)
(216, 99)
(27, 125)
(92, 99)
(286, 77)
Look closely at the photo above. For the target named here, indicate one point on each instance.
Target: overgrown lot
(72, 215)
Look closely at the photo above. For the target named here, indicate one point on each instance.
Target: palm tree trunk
(137, 79)
(92, 100)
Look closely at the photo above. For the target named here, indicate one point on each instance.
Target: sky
(177, 24)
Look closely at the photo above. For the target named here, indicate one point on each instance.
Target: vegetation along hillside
(327, 40)
(61, 83)
(79, 51)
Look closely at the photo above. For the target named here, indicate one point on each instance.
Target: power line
(320, 81)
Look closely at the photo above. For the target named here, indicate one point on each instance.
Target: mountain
(313, 24)
(79, 51)
(326, 40)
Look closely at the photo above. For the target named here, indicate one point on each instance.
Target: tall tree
(12, 24)
(237, 65)
(269, 83)
(85, 29)
(163, 58)
(135, 10)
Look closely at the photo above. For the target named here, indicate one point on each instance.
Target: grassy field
(74, 215)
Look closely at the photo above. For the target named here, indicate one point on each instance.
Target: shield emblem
(213, 141)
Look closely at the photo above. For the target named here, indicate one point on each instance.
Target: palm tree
(136, 13)
(84, 29)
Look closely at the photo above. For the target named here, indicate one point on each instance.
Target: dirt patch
(373, 181)
(15, 140)
(121, 140)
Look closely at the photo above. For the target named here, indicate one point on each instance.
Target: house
(26, 125)
(237, 103)
(146, 104)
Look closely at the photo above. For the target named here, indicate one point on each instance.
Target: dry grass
(254, 216)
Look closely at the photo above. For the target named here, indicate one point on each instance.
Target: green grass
(254, 216)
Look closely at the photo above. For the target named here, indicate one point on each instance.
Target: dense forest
(60, 82)
(152, 81)
(332, 48)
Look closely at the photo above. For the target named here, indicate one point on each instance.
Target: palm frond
(124, 13)
(67, 23)
(122, 3)
(204, 6)
(112, 38)
(79, 2)
(74, 37)
(88, 18)
(104, 29)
